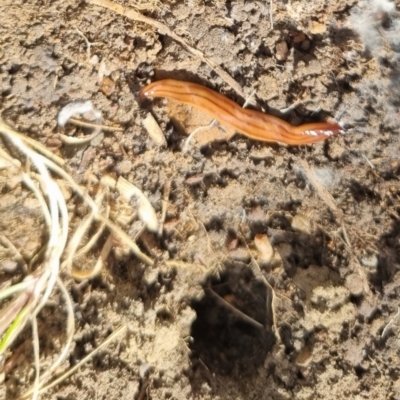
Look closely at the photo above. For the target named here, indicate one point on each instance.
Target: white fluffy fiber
(77, 108)
(365, 20)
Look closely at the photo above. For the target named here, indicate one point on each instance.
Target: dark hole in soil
(232, 333)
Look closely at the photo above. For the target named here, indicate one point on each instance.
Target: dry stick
(6, 242)
(36, 350)
(259, 275)
(88, 200)
(77, 238)
(88, 44)
(135, 15)
(33, 143)
(81, 275)
(79, 140)
(390, 323)
(84, 124)
(322, 192)
(72, 370)
(271, 19)
(70, 333)
(92, 241)
(235, 310)
(167, 192)
(330, 202)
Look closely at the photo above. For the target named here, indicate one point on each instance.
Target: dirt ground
(315, 227)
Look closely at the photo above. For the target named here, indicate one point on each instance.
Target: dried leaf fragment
(301, 223)
(107, 86)
(154, 131)
(264, 247)
(146, 212)
(317, 28)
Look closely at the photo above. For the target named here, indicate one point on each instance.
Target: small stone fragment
(299, 37)
(263, 153)
(304, 357)
(150, 277)
(256, 215)
(367, 310)
(355, 285)
(335, 150)
(240, 254)
(281, 50)
(265, 248)
(317, 28)
(195, 180)
(124, 167)
(144, 370)
(301, 223)
(354, 354)
(8, 266)
(330, 297)
(94, 60)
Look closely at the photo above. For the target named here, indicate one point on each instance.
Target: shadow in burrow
(388, 265)
(225, 342)
(232, 333)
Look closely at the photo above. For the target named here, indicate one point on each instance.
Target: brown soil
(200, 321)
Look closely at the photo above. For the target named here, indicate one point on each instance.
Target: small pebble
(264, 247)
(367, 310)
(240, 254)
(301, 223)
(107, 86)
(150, 277)
(335, 150)
(9, 266)
(124, 167)
(355, 285)
(256, 215)
(299, 37)
(281, 50)
(144, 370)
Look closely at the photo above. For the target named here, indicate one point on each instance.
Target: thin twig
(81, 275)
(79, 140)
(271, 21)
(259, 275)
(70, 333)
(163, 29)
(89, 201)
(235, 310)
(85, 124)
(36, 352)
(71, 371)
(32, 143)
(88, 44)
(390, 323)
(17, 255)
(321, 191)
(167, 192)
(187, 141)
(249, 99)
